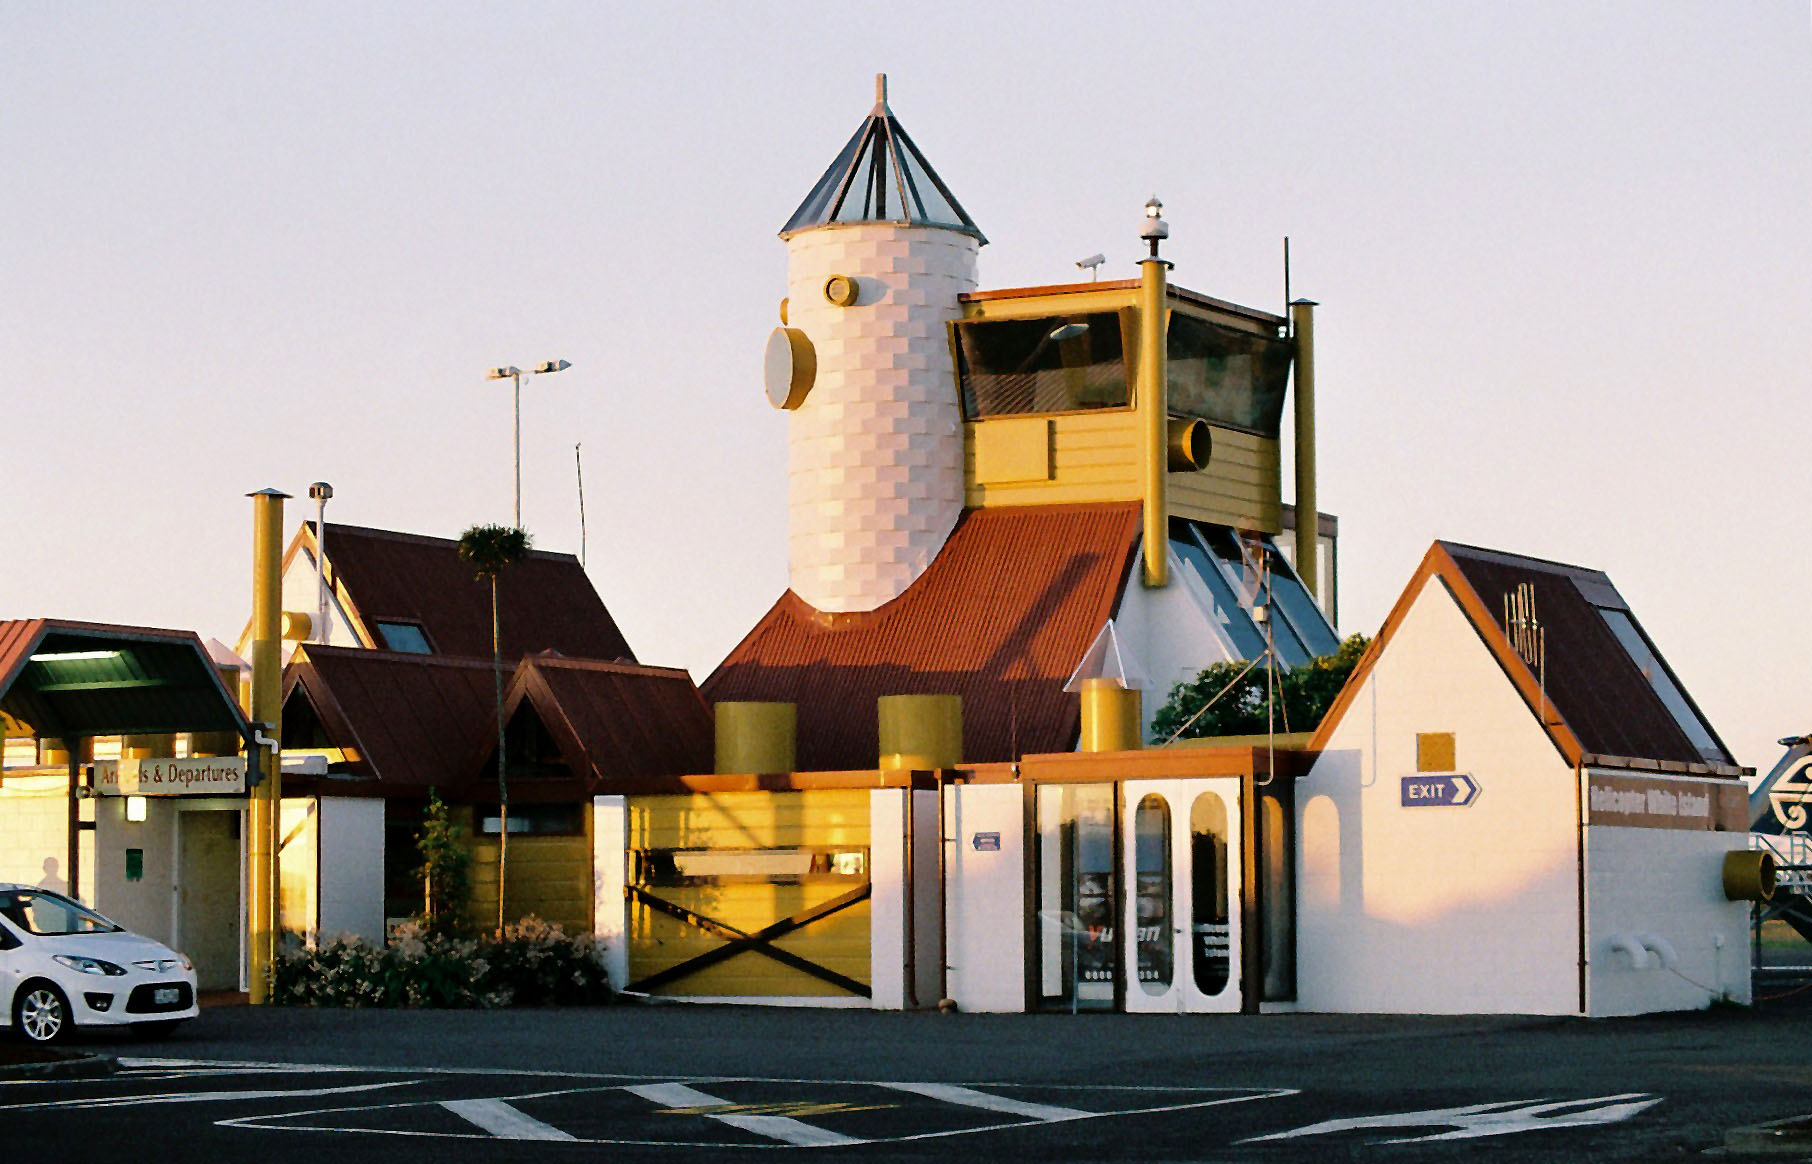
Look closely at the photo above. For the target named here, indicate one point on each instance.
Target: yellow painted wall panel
(1017, 450)
(750, 820)
(550, 877)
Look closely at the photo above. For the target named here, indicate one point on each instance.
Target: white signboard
(196, 776)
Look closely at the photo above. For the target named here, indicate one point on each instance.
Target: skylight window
(406, 637)
(1636, 646)
(1243, 571)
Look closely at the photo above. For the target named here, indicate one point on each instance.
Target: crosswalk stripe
(782, 1128)
(503, 1121)
(969, 1097)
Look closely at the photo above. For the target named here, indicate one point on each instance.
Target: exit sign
(1439, 790)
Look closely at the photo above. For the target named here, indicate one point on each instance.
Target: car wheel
(41, 1013)
(157, 1030)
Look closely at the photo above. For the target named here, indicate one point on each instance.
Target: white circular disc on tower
(789, 367)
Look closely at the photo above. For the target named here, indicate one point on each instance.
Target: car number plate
(165, 995)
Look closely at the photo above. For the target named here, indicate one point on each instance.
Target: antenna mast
(579, 468)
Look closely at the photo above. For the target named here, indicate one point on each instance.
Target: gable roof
(405, 721)
(546, 601)
(1593, 697)
(134, 680)
(1001, 617)
(618, 726)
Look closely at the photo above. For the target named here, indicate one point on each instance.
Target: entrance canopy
(68, 680)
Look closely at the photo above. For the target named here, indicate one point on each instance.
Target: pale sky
(1563, 251)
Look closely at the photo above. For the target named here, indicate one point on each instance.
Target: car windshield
(38, 911)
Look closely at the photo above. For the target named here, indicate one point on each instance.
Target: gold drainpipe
(1154, 409)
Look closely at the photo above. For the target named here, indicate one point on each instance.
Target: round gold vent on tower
(841, 290)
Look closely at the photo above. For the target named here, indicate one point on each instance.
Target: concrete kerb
(75, 1065)
(1788, 1137)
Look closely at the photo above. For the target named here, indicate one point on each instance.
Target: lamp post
(516, 374)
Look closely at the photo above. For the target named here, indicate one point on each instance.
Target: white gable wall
(1657, 897)
(1438, 910)
(1170, 633)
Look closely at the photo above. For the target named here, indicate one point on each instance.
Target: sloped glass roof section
(1245, 570)
(881, 176)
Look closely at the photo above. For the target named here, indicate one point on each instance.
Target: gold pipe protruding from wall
(1750, 875)
(298, 626)
(1308, 515)
(920, 733)
(1111, 716)
(756, 737)
(1188, 445)
(1154, 409)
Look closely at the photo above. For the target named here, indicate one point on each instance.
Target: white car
(62, 965)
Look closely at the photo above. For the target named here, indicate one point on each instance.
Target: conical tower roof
(881, 177)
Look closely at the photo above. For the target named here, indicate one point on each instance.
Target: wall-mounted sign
(985, 842)
(1443, 790)
(1666, 802)
(196, 776)
(1790, 795)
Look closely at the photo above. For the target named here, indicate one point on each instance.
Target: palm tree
(490, 550)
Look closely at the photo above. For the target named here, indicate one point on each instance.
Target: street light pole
(515, 375)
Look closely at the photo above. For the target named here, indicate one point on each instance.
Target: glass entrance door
(1181, 852)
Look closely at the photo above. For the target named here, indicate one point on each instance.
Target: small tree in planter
(445, 869)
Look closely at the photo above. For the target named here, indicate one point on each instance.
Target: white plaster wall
(875, 474)
(299, 593)
(609, 870)
(1172, 632)
(1438, 910)
(351, 890)
(146, 906)
(887, 903)
(1644, 884)
(986, 897)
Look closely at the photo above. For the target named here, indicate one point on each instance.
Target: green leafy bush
(445, 869)
(1303, 695)
(532, 963)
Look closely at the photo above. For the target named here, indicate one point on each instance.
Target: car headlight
(87, 965)
(186, 964)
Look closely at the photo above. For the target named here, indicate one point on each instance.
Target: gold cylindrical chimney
(756, 737)
(920, 733)
(1111, 716)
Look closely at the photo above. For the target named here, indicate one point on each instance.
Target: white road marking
(206, 1096)
(782, 1128)
(969, 1097)
(503, 1121)
(1485, 1119)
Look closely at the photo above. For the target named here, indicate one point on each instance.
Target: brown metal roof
(155, 681)
(618, 726)
(546, 600)
(1593, 699)
(406, 721)
(1002, 616)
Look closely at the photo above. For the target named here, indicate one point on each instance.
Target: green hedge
(532, 963)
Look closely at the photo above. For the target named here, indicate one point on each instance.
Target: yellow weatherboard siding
(550, 877)
(819, 819)
(1097, 456)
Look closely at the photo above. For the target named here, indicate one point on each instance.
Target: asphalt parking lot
(680, 1082)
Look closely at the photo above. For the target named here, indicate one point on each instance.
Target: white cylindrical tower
(876, 258)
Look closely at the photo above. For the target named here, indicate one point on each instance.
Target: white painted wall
(1438, 910)
(887, 904)
(300, 593)
(146, 906)
(1658, 895)
(34, 831)
(986, 897)
(875, 452)
(351, 889)
(609, 873)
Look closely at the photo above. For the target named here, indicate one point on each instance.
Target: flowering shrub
(532, 963)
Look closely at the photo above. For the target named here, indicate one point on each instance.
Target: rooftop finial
(880, 90)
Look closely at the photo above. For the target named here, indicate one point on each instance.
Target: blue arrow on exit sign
(1452, 790)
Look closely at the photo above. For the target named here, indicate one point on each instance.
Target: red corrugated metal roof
(412, 720)
(616, 724)
(1001, 618)
(546, 601)
(161, 681)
